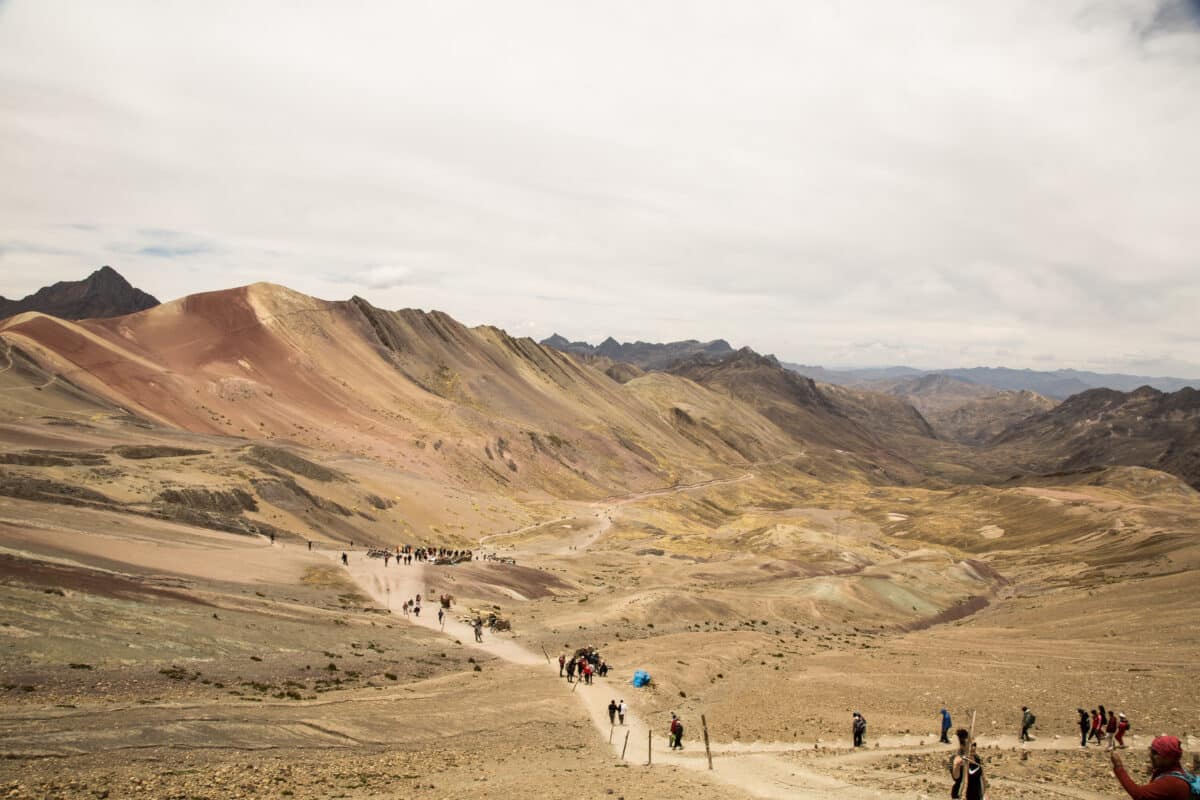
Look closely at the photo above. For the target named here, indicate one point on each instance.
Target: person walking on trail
(612, 712)
(1110, 731)
(859, 729)
(1085, 725)
(1027, 721)
(1168, 780)
(478, 630)
(621, 709)
(1122, 726)
(675, 734)
(946, 724)
(966, 769)
(345, 560)
(441, 616)
(1097, 726)
(562, 662)
(571, 671)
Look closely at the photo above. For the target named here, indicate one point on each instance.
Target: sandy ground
(150, 657)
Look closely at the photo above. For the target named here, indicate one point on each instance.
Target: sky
(935, 183)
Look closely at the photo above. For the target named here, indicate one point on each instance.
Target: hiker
(1122, 726)
(1027, 720)
(945, 726)
(272, 537)
(612, 712)
(478, 630)
(675, 737)
(562, 662)
(441, 616)
(386, 556)
(1085, 725)
(1110, 731)
(571, 671)
(345, 561)
(310, 544)
(587, 672)
(1096, 726)
(621, 708)
(417, 609)
(859, 728)
(1168, 781)
(968, 786)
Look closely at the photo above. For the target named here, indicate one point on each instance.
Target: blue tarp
(641, 677)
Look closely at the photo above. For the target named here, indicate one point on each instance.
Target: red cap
(1167, 747)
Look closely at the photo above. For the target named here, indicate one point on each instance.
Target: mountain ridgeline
(481, 410)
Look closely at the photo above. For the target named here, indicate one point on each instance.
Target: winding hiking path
(761, 769)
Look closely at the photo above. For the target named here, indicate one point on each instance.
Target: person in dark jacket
(1027, 720)
(1085, 725)
(859, 728)
(1166, 773)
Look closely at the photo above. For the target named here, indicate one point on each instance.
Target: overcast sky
(935, 183)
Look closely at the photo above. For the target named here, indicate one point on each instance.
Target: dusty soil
(160, 657)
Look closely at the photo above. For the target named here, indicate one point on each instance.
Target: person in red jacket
(1122, 726)
(1166, 780)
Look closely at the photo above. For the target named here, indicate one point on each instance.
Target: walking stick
(649, 748)
(547, 655)
(611, 728)
(625, 745)
(707, 751)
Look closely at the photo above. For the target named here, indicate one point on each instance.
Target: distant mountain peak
(644, 355)
(104, 293)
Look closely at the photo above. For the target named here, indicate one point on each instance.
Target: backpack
(1193, 781)
(1032, 720)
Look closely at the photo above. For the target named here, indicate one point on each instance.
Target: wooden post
(547, 655)
(649, 748)
(625, 745)
(611, 728)
(707, 750)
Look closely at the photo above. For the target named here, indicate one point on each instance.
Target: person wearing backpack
(1168, 779)
(1085, 725)
(1122, 726)
(860, 729)
(1027, 722)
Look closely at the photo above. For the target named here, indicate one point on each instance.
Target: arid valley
(178, 486)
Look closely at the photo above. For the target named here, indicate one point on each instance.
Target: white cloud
(957, 181)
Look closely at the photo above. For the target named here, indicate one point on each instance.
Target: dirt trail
(749, 767)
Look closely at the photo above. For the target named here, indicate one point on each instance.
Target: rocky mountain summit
(646, 355)
(104, 293)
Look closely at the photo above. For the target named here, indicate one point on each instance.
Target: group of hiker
(1168, 779)
(585, 663)
(1106, 727)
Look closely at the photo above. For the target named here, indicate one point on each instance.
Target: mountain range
(477, 407)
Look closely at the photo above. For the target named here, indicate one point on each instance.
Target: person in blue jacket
(945, 726)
